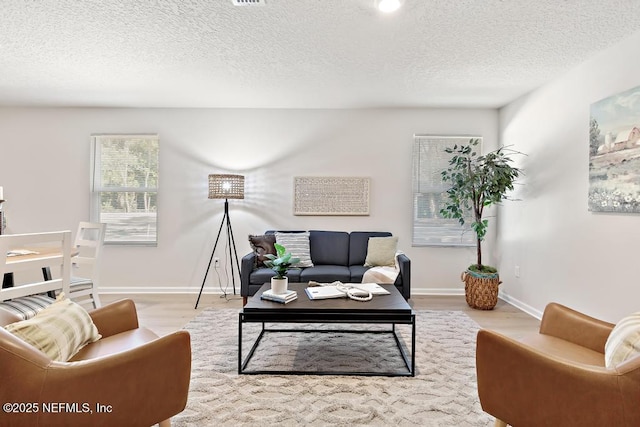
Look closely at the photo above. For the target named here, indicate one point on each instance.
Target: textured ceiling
(296, 53)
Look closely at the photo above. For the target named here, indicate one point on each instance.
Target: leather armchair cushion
(563, 349)
(118, 343)
(262, 245)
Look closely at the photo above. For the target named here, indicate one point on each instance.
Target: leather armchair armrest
(142, 386)
(405, 275)
(517, 382)
(570, 325)
(246, 267)
(116, 317)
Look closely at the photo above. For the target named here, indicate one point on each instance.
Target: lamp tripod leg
(224, 217)
(232, 242)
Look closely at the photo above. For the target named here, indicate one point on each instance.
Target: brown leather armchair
(129, 377)
(557, 377)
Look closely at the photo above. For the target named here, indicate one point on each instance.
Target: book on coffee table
(333, 291)
(285, 298)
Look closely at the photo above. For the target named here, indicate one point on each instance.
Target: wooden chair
(89, 242)
(51, 250)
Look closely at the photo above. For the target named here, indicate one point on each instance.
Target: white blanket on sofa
(382, 274)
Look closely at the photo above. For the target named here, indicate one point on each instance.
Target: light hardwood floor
(165, 313)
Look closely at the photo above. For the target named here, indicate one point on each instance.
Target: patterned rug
(443, 392)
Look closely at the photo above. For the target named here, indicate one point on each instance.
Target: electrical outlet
(216, 262)
(517, 272)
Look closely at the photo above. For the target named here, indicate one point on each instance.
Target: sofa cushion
(59, 331)
(326, 273)
(298, 245)
(381, 251)
(358, 243)
(329, 247)
(262, 245)
(357, 272)
(263, 275)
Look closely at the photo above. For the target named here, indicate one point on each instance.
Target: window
(124, 187)
(429, 193)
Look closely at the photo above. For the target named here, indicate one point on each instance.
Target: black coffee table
(389, 309)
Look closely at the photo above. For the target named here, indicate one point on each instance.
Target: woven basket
(480, 289)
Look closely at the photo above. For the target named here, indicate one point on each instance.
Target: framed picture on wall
(614, 153)
(331, 195)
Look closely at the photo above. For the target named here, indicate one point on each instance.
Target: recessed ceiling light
(388, 6)
(248, 2)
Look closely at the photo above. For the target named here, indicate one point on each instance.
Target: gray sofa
(336, 255)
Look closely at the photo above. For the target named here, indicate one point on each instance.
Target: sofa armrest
(246, 267)
(405, 275)
(142, 386)
(570, 325)
(517, 382)
(116, 317)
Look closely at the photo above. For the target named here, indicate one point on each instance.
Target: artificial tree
(477, 182)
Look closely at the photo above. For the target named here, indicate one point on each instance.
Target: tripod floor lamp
(225, 186)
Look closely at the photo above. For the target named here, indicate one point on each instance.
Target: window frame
(432, 229)
(96, 187)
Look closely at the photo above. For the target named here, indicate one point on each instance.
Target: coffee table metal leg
(413, 345)
(240, 343)
(411, 365)
(242, 365)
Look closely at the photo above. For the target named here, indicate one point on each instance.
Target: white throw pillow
(59, 331)
(298, 245)
(623, 342)
(381, 251)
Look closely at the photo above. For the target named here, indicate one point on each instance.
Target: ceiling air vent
(248, 2)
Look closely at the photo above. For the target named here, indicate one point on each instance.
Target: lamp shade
(225, 186)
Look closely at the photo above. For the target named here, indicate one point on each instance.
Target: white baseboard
(519, 304)
(165, 290)
(436, 291)
(229, 289)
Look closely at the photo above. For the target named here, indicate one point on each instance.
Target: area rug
(443, 392)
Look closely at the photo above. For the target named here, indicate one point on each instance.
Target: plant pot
(481, 289)
(279, 286)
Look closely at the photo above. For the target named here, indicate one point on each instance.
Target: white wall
(44, 168)
(567, 254)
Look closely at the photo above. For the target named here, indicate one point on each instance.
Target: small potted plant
(280, 263)
(478, 181)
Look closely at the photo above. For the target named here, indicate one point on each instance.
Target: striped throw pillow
(298, 245)
(59, 331)
(623, 342)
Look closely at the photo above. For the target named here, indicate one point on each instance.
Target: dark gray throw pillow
(262, 245)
